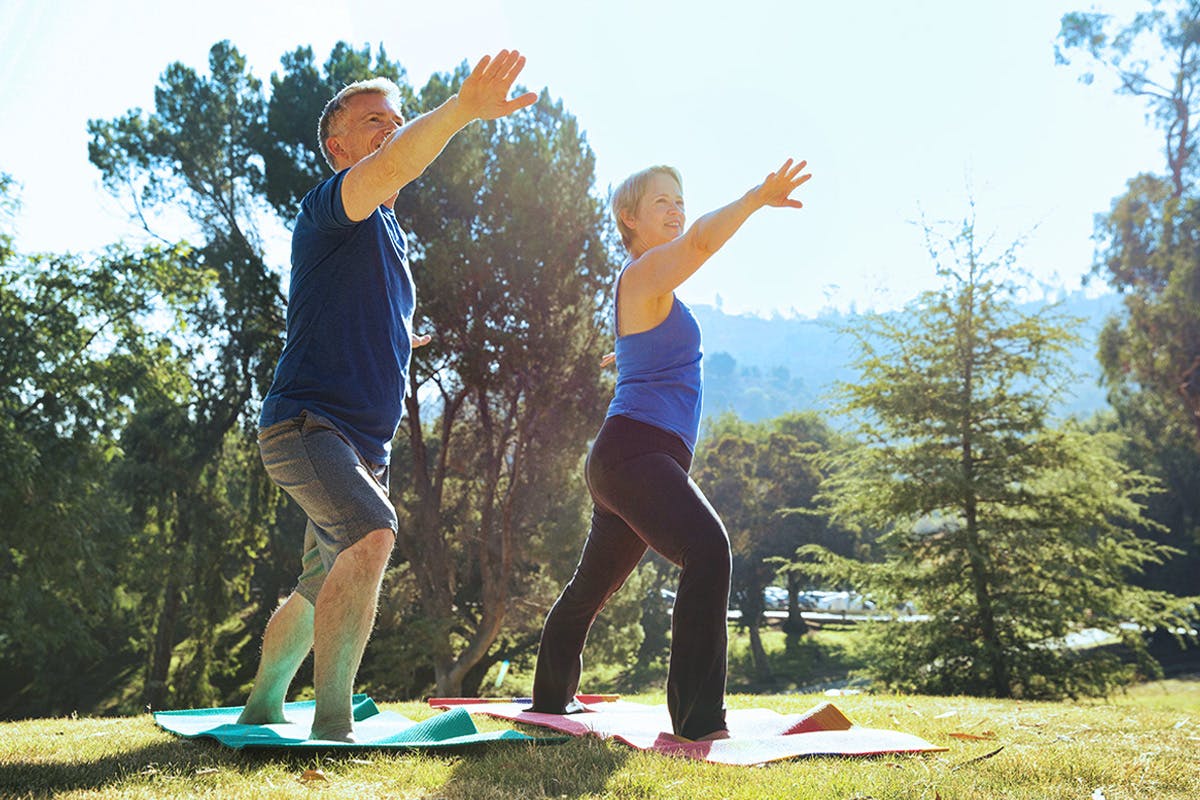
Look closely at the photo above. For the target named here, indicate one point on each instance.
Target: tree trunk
(795, 625)
(762, 667)
(987, 619)
(1190, 389)
(164, 646)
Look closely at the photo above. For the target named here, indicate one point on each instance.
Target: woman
(637, 470)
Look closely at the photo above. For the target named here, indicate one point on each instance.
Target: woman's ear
(627, 219)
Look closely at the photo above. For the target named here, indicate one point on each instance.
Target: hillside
(761, 368)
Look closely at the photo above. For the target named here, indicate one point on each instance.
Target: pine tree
(1008, 534)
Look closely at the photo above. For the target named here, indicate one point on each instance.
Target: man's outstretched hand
(484, 94)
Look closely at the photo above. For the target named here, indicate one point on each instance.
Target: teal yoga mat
(374, 729)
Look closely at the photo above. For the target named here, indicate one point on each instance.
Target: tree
(77, 351)
(762, 478)
(1007, 533)
(1147, 250)
(1147, 243)
(199, 152)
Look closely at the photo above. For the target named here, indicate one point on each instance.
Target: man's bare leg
(342, 623)
(286, 642)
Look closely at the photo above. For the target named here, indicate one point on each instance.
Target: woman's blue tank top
(659, 374)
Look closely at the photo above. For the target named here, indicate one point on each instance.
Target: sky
(905, 112)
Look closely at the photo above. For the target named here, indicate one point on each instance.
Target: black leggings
(638, 477)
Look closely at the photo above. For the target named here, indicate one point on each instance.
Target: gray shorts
(344, 497)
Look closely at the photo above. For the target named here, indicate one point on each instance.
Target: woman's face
(659, 217)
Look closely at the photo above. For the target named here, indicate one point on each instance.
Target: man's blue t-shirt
(349, 317)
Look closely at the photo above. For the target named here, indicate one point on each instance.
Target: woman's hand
(776, 188)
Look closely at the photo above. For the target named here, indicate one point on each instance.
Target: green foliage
(1146, 243)
(762, 479)
(201, 504)
(1153, 442)
(78, 352)
(1147, 251)
(1007, 534)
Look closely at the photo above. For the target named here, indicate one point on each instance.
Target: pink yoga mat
(757, 735)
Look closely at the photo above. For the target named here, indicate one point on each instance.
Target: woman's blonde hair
(631, 191)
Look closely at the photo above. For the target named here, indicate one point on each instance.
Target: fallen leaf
(977, 759)
(207, 771)
(973, 736)
(945, 714)
(363, 761)
(313, 775)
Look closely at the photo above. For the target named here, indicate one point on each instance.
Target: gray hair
(331, 116)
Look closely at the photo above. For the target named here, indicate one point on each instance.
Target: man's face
(367, 120)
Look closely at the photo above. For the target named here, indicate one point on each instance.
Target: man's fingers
(503, 63)
(498, 63)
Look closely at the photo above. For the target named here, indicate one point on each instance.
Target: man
(335, 404)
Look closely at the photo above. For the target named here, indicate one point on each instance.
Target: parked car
(775, 598)
(844, 601)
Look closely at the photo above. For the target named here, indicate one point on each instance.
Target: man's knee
(374, 549)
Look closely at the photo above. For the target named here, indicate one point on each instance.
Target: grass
(1141, 744)
(822, 657)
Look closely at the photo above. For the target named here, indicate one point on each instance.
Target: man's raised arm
(412, 147)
